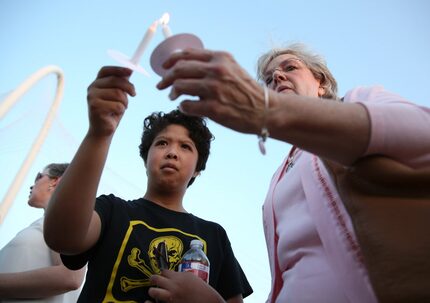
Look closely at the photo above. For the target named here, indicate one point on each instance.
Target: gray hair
(55, 170)
(314, 62)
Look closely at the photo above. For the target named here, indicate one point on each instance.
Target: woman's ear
(321, 91)
(196, 173)
(54, 182)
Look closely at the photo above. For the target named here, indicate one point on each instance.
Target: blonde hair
(314, 62)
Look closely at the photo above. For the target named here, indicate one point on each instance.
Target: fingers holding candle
(113, 76)
(189, 63)
(108, 99)
(114, 71)
(199, 54)
(227, 93)
(184, 71)
(190, 87)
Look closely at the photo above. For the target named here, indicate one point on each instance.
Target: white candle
(166, 31)
(144, 42)
(165, 28)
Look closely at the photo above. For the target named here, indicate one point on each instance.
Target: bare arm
(229, 96)
(71, 208)
(40, 283)
(333, 130)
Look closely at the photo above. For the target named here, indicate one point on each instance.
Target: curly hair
(196, 126)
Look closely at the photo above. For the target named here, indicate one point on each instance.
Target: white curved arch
(6, 105)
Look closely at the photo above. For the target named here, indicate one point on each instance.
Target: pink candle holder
(169, 46)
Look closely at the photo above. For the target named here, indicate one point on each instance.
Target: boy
(120, 239)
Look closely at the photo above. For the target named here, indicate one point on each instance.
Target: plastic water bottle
(195, 261)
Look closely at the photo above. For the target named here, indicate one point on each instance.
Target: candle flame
(164, 19)
(154, 25)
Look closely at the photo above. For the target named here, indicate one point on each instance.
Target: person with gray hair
(29, 270)
(314, 62)
(356, 163)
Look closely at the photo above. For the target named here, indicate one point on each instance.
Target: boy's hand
(107, 99)
(182, 287)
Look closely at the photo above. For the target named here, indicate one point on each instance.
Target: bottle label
(198, 269)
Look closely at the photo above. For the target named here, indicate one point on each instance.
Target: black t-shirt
(120, 264)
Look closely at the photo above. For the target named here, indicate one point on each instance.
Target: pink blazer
(408, 121)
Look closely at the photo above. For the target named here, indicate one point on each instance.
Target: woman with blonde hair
(345, 210)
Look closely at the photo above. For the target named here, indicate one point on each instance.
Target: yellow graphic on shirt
(143, 259)
(134, 260)
(174, 247)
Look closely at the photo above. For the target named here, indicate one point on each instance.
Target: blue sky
(364, 42)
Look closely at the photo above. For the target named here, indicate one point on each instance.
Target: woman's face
(41, 191)
(287, 74)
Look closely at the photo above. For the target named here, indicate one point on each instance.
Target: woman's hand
(182, 287)
(227, 94)
(107, 99)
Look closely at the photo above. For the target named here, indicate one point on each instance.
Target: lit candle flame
(165, 19)
(166, 29)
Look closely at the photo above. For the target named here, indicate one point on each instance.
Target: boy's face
(172, 159)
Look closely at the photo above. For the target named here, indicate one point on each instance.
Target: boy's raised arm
(71, 224)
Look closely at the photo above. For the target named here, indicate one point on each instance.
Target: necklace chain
(291, 160)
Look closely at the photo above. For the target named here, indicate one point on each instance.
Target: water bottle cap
(196, 242)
